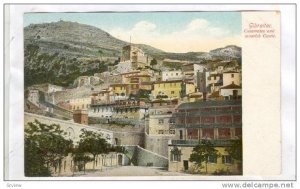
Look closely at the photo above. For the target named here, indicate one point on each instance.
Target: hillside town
(158, 114)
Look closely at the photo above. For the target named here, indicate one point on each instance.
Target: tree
(235, 150)
(45, 145)
(142, 93)
(202, 152)
(92, 143)
(119, 149)
(80, 160)
(153, 62)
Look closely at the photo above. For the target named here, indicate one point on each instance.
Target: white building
(101, 110)
(231, 91)
(171, 75)
(231, 77)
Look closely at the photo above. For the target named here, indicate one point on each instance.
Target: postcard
(162, 94)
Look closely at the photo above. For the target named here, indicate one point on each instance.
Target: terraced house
(172, 89)
(217, 121)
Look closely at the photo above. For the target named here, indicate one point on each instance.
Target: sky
(168, 31)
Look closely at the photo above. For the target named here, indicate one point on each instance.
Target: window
(208, 133)
(176, 73)
(232, 75)
(224, 133)
(192, 133)
(212, 159)
(172, 132)
(172, 120)
(172, 92)
(181, 134)
(176, 154)
(226, 159)
(161, 121)
(176, 157)
(160, 131)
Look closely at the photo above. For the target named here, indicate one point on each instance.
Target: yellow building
(80, 103)
(181, 163)
(169, 89)
(172, 89)
(119, 89)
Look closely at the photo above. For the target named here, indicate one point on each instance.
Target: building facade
(231, 77)
(80, 103)
(134, 55)
(172, 89)
(217, 121)
(171, 75)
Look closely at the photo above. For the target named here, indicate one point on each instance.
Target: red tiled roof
(231, 86)
(230, 72)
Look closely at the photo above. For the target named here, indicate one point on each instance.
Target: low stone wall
(123, 121)
(158, 144)
(129, 138)
(73, 129)
(139, 156)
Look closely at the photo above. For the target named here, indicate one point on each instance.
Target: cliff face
(59, 52)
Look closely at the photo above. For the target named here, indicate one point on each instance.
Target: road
(130, 171)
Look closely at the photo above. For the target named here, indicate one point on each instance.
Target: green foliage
(34, 162)
(92, 143)
(44, 145)
(162, 96)
(235, 150)
(201, 153)
(153, 62)
(141, 94)
(222, 172)
(172, 65)
(81, 159)
(119, 149)
(176, 151)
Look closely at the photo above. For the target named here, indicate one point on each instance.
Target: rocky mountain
(227, 52)
(59, 52)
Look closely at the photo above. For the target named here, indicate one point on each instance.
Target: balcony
(208, 125)
(196, 142)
